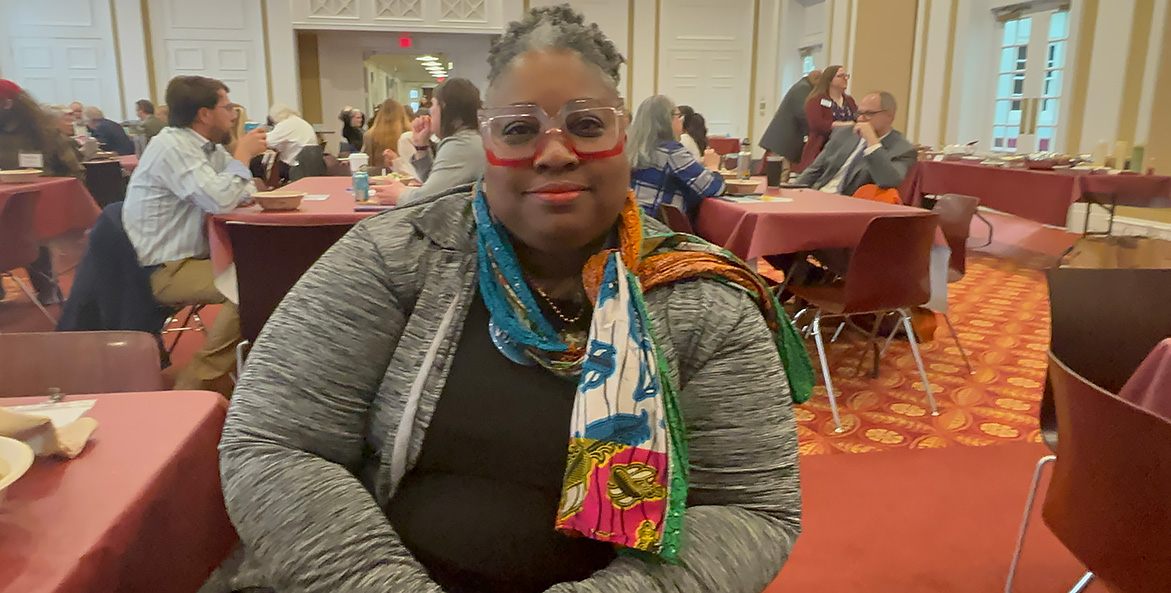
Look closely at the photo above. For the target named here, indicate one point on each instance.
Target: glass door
(1028, 87)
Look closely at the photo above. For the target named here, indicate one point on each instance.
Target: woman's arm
(745, 499)
(294, 437)
(820, 117)
(699, 182)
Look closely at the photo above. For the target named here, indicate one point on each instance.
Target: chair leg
(242, 350)
(918, 359)
(829, 383)
(32, 296)
(1020, 540)
(991, 228)
(838, 332)
(1083, 583)
(870, 343)
(952, 330)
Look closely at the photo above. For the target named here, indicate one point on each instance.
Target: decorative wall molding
(463, 16)
(398, 9)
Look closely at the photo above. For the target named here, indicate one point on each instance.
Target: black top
(111, 136)
(479, 506)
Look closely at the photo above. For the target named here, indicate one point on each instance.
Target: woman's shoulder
(442, 220)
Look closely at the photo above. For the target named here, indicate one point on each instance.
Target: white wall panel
(221, 39)
(403, 15)
(705, 60)
(62, 52)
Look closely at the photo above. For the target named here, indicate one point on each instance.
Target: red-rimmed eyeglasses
(515, 134)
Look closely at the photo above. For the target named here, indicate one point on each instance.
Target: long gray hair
(651, 128)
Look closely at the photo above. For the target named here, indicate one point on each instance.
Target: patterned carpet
(1001, 313)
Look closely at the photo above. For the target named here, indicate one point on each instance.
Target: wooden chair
(78, 362)
(887, 273)
(18, 241)
(270, 258)
(1107, 501)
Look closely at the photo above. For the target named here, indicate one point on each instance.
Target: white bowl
(20, 175)
(279, 200)
(15, 459)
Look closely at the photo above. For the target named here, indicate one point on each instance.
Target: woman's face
(357, 119)
(677, 123)
(560, 203)
(841, 79)
(65, 123)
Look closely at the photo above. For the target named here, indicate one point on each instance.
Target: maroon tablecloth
(797, 220)
(1150, 386)
(1043, 196)
(140, 510)
(63, 204)
(129, 162)
(337, 208)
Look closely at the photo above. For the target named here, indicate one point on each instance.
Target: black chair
(105, 182)
(310, 163)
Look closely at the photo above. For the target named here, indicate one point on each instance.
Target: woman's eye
(587, 126)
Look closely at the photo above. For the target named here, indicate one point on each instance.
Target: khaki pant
(190, 282)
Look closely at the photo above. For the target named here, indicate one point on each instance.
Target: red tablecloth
(1150, 386)
(337, 208)
(63, 204)
(129, 162)
(140, 510)
(805, 220)
(1043, 196)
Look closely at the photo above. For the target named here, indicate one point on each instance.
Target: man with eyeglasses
(869, 152)
(185, 174)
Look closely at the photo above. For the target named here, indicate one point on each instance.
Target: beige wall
(1159, 143)
(309, 72)
(884, 48)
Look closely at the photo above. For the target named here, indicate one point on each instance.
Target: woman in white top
(686, 139)
(290, 133)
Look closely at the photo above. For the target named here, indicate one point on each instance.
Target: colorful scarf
(626, 476)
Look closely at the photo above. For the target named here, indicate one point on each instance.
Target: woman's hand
(388, 194)
(388, 158)
(711, 159)
(421, 130)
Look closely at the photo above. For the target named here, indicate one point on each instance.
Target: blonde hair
(389, 124)
(241, 116)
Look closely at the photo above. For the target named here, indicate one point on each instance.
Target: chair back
(79, 362)
(675, 219)
(270, 258)
(310, 163)
(18, 241)
(105, 182)
(723, 144)
(890, 267)
(1107, 501)
(955, 220)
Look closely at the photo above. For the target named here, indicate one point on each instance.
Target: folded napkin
(44, 438)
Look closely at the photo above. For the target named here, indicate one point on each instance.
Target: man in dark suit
(785, 135)
(108, 133)
(868, 152)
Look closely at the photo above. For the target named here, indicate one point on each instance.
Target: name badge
(30, 160)
(827, 103)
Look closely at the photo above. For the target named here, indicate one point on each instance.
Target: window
(1029, 81)
(808, 61)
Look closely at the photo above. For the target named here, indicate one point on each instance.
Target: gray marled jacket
(339, 389)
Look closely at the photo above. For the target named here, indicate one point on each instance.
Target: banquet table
(793, 220)
(63, 204)
(140, 509)
(129, 162)
(1042, 196)
(1150, 386)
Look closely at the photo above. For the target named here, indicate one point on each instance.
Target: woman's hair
(279, 112)
(186, 95)
(822, 86)
(240, 115)
(695, 126)
(55, 112)
(554, 27)
(389, 125)
(651, 128)
(347, 115)
(459, 100)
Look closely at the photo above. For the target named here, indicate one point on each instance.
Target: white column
(282, 51)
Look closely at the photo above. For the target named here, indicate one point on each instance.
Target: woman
(426, 448)
(459, 158)
(239, 118)
(389, 126)
(827, 107)
(26, 129)
(664, 171)
(353, 122)
(692, 138)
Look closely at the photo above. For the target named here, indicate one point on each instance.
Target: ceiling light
(427, 58)
(450, 65)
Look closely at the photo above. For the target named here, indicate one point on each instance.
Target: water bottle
(361, 181)
(744, 164)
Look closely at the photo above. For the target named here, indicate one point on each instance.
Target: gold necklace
(556, 310)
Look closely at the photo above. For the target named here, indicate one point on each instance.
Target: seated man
(107, 132)
(868, 152)
(184, 174)
(151, 124)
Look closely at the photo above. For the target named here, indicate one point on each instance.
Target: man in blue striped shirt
(185, 174)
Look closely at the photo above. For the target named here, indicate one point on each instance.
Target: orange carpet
(1001, 314)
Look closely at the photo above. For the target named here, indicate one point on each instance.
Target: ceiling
(405, 67)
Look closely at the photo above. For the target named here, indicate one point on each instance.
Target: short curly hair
(556, 27)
